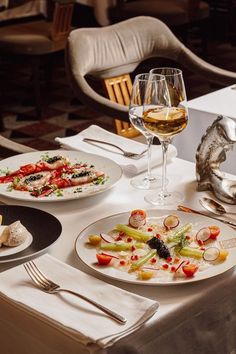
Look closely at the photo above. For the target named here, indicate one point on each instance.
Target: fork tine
(42, 276)
(32, 276)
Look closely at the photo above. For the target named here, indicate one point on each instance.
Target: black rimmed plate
(44, 227)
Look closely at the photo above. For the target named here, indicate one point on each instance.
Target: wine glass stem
(164, 145)
(149, 152)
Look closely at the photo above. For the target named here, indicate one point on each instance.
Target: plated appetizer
(52, 175)
(158, 248)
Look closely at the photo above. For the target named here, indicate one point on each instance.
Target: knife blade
(189, 210)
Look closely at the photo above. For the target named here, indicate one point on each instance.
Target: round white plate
(87, 254)
(111, 169)
(7, 251)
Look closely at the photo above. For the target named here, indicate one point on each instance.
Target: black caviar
(158, 244)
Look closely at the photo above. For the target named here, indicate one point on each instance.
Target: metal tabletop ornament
(211, 152)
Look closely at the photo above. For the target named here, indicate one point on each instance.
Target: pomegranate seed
(173, 269)
(188, 237)
(121, 233)
(149, 229)
(153, 260)
(118, 238)
(133, 248)
(165, 266)
(129, 239)
(158, 236)
(200, 242)
(202, 249)
(168, 259)
(176, 260)
(122, 263)
(133, 257)
(136, 257)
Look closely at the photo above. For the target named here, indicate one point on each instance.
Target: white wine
(165, 122)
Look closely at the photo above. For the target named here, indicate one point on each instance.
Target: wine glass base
(146, 183)
(170, 198)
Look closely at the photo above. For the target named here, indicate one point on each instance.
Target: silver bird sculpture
(211, 152)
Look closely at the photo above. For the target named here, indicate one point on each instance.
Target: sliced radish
(171, 221)
(203, 234)
(107, 238)
(180, 265)
(211, 254)
(137, 220)
(110, 255)
(150, 268)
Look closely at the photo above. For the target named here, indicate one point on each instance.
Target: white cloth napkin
(131, 166)
(77, 318)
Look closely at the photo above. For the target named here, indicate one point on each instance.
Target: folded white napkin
(77, 318)
(131, 166)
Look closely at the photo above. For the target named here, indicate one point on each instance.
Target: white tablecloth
(202, 113)
(192, 318)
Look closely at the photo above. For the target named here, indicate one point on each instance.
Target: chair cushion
(30, 38)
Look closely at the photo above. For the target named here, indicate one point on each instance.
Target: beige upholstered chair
(9, 148)
(36, 39)
(118, 49)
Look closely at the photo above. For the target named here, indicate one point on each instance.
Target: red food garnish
(215, 231)
(190, 269)
(103, 259)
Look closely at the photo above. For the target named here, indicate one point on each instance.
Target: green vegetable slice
(142, 261)
(136, 234)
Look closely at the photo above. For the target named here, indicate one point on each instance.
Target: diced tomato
(28, 169)
(215, 231)
(61, 182)
(103, 259)
(190, 269)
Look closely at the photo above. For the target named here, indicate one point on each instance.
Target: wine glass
(149, 181)
(165, 122)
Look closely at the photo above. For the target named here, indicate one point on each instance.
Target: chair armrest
(9, 147)
(208, 71)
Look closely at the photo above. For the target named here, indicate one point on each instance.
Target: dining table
(196, 317)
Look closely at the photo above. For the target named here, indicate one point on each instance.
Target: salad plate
(166, 271)
(44, 230)
(21, 172)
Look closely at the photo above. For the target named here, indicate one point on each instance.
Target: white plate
(7, 251)
(111, 169)
(88, 254)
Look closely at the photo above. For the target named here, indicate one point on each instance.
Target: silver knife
(189, 210)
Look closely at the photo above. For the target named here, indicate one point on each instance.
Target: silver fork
(131, 155)
(47, 285)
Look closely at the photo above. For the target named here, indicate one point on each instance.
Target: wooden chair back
(119, 90)
(61, 22)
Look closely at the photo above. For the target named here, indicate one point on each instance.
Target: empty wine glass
(149, 181)
(165, 120)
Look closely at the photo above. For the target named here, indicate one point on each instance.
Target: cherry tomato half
(139, 212)
(103, 259)
(215, 230)
(190, 269)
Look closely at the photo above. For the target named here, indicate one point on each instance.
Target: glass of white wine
(165, 121)
(149, 181)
